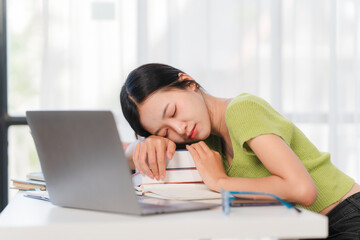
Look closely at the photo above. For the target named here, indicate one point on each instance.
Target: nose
(179, 127)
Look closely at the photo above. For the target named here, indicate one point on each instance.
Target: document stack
(33, 181)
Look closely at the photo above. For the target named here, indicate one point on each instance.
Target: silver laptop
(84, 165)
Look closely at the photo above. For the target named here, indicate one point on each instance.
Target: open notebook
(187, 191)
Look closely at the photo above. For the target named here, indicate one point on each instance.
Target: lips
(193, 133)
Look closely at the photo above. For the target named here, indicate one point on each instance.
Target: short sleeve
(248, 116)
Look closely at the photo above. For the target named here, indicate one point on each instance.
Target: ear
(184, 76)
(193, 86)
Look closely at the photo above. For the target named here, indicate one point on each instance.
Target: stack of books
(33, 181)
(180, 169)
(182, 181)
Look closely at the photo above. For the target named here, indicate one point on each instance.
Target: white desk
(25, 217)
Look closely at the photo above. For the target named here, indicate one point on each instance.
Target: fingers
(200, 148)
(204, 146)
(194, 153)
(153, 163)
(160, 154)
(149, 156)
(170, 150)
(142, 160)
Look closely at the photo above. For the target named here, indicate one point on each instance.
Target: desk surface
(25, 217)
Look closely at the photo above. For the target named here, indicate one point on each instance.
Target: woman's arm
(290, 180)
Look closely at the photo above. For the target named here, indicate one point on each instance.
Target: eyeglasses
(228, 198)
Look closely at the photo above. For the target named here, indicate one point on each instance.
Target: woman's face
(180, 115)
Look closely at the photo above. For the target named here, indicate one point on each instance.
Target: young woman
(239, 144)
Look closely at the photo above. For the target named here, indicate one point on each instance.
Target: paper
(178, 191)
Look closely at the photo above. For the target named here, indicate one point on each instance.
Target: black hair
(141, 83)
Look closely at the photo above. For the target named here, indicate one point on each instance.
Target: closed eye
(174, 112)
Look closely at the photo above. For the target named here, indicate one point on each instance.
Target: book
(180, 169)
(36, 176)
(181, 159)
(28, 184)
(187, 175)
(188, 191)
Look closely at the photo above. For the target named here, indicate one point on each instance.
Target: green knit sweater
(248, 116)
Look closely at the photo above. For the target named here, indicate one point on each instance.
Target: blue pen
(37, 197)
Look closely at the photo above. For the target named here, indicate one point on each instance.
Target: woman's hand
(208, 163)
(149, 156)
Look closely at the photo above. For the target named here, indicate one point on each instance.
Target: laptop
(83, 162)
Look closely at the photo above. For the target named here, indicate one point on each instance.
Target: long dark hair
(141, 83)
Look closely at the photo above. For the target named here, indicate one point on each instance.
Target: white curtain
(303, 56)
